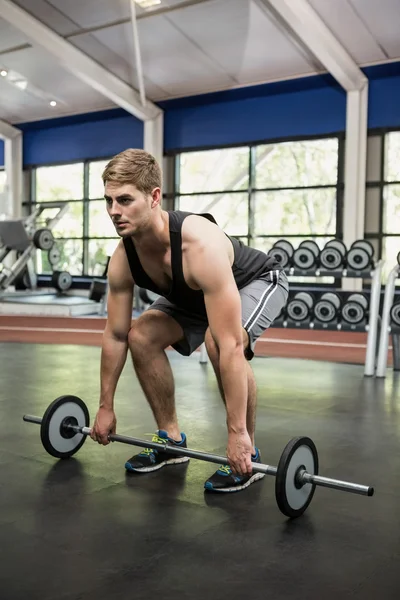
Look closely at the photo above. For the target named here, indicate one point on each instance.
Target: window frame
(252, 189)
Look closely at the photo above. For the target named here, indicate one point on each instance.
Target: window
(263, 193)
(85, 235)
(3, 181)
(101, 232)
(382, 211)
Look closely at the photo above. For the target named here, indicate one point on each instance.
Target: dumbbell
(333, 256)
(354, 310)
(282, 251)
(306, 255)
(327, 307)
(395, 314)
(360, 255)
(299, 308)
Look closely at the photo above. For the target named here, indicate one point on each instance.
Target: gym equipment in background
(23, 237)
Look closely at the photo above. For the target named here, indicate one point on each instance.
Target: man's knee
(152, 331)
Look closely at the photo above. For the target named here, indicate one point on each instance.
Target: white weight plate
(311, 245)
(353, 313)
(297, 310)
(324, 311)
(280, 255)
(61, 408)
(358, 259)
(59, 443)
(365, 245)
(303, 258)
(395, 314)
(287, 246)
(338, 244)
(297, 497)
(332, 297)
(305, 297)
(331, 258)
(360, 298)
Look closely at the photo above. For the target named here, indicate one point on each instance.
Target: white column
(355, 172)
(13, 168)
(154, 137)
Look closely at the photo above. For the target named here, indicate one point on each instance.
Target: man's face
(129, 209)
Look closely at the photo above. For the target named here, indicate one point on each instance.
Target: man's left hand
(239, 453)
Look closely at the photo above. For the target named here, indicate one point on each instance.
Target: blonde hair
(136, 167)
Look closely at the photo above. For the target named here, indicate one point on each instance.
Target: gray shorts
(262, 302)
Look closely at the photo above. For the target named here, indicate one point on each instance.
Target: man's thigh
(262, 302)
(193, 326)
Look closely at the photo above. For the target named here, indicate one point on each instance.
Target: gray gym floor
(84, 529)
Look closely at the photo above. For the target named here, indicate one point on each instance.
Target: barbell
(65, 426)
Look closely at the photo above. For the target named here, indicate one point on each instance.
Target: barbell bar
(64, 428)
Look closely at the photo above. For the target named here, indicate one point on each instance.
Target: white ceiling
(187, 46)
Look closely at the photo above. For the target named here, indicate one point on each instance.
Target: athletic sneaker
(224, 480)
(150, 459)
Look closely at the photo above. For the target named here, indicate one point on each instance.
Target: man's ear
(155, 197)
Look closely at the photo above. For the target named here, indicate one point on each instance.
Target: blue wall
(98, 135)
(296, 108)
(1, 152)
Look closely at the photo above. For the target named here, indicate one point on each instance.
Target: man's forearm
(113, 357)
(233, 374)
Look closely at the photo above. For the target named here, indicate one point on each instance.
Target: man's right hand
(104, 424)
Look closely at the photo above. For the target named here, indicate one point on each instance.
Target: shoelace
(225, 469)
(156, 438)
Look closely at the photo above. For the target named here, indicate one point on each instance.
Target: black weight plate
(353, 313)
(358, 259)
(395, 314)
(297, 310)
(303, 258)
(311, 245)
(280, 255)
(338, 244)
(54, 442)
(331, 258)
(291, 497)
(43, 239)
(53, 255)
(325, 311)
(398, 258)
(61, 280)
(287, 246)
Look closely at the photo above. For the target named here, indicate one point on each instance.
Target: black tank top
(248, 265)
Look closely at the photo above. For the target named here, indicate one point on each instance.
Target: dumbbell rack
(387, 328)
(371, 327)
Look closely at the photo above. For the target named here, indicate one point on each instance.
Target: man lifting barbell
(212, 288)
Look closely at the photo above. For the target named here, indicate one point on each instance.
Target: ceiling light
(53, 103)
(147, 3)
(3, 73)
(21, 84)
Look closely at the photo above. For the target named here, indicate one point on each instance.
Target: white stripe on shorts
(262, 302)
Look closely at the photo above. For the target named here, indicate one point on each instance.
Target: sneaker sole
(237, 488)
(165, 463)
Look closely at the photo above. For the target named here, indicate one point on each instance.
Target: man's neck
(155, 239)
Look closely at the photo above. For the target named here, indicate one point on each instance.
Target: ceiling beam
(304, 23)
(7, 131)
(78, 63)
